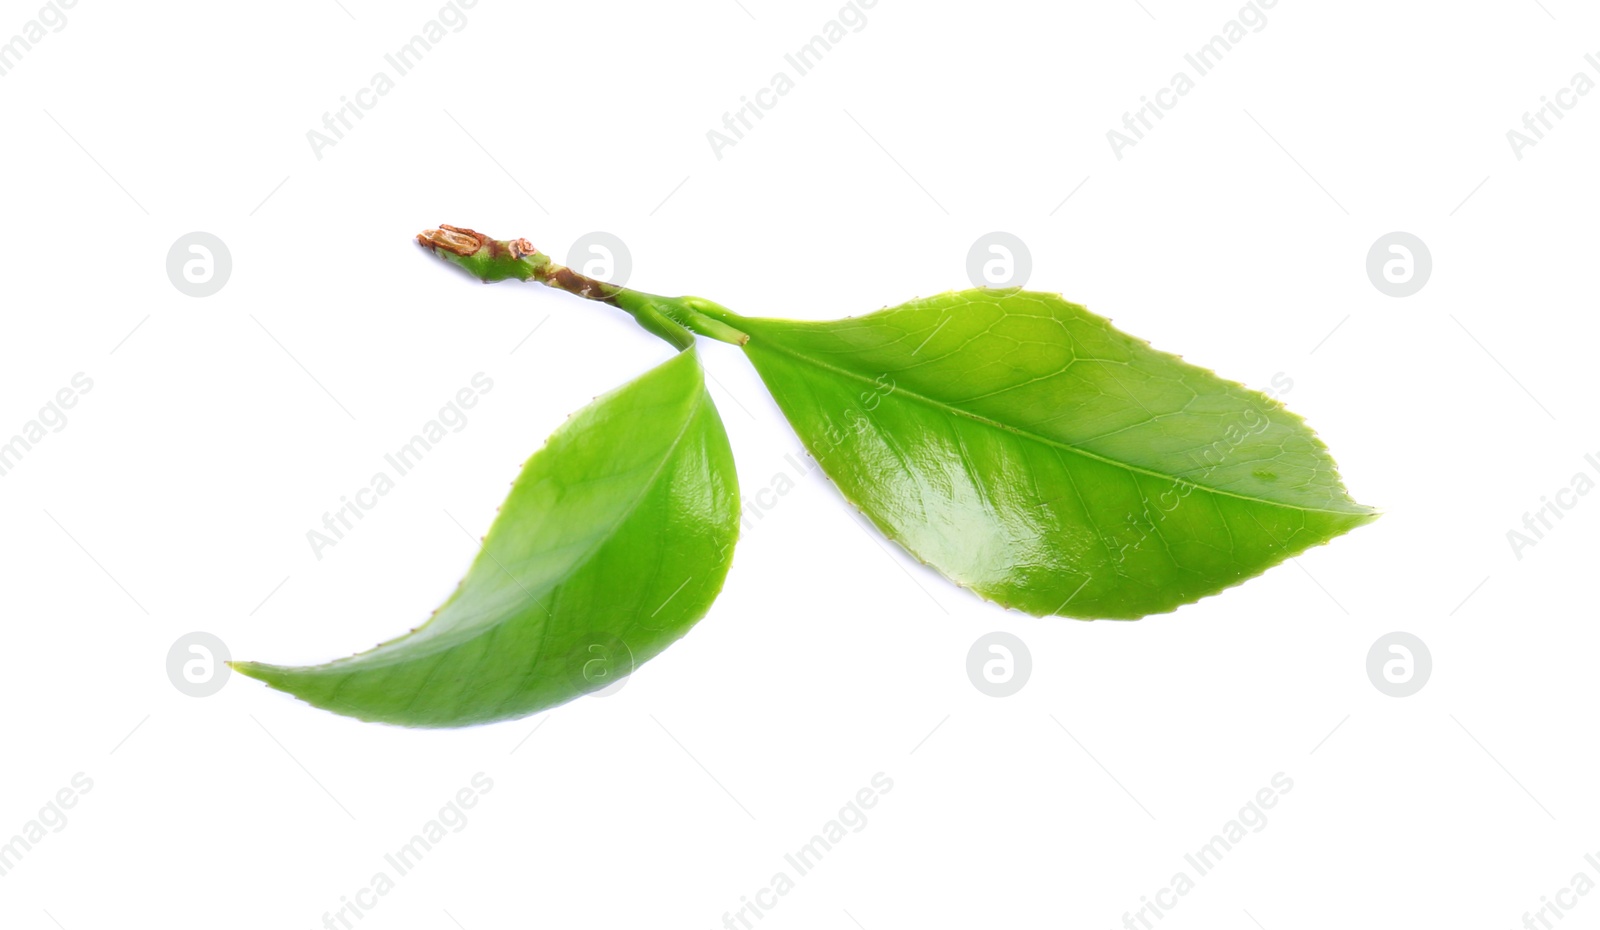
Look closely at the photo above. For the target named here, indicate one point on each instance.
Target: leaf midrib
(995, 424)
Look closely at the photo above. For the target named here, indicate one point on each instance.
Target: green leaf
(1027, 449)
(614, 541)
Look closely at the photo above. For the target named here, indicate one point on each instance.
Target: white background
(219, 430)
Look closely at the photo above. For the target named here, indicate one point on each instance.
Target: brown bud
(516, 248)
(455, 239)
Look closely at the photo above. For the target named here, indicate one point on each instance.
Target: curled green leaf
(614, 541)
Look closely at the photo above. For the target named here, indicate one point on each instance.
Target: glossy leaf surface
(614, 541)
(1029, 450)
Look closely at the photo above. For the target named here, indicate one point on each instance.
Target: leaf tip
(256, 670)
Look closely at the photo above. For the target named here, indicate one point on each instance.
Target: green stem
(675, 319)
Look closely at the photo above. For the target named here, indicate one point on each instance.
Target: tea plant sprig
(1017, 443)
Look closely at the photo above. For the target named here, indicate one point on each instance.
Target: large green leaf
(614, 541)
(1029, 450)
